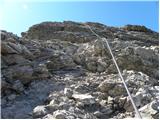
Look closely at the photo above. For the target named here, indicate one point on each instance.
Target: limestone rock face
(61, 70)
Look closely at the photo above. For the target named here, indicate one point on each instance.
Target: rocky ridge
(61, 70)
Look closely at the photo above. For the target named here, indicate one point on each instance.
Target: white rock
(98, 114)
(39, 111)
(85, 98)
(110, 99)
(149, 110)
(48, 116)
(60, 114)
(138, 98)
(103, 102)
(52, 102)
(70, 117)
(68, 92)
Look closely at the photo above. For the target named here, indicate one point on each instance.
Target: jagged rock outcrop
(62, 70)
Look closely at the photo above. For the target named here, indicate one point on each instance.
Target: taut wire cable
(120, 74)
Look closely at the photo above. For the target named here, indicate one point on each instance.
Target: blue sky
(18, 16)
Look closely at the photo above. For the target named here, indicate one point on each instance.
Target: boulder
(40, 71)
(91, 65)
(106, 85)
(59, 61)
(16, 47)
(112, 88)
(101, 66)
(64, 105)
(60, 114)
(39, 111)
(6, 49)
(23, 73)
(150, 111)
(85, 99)
(98, 114)
(48, 116)
(68, 92)
(52, 108)
(82, 88)
(92, 56)
(13, 59)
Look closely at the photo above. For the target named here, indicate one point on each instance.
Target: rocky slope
(61, 70)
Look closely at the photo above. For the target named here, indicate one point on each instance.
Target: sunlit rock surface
(62, 70)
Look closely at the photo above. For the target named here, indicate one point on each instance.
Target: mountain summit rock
(62, 70)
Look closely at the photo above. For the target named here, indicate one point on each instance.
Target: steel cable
(120, 74)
